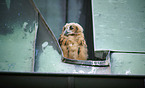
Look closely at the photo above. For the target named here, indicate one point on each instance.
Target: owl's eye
(71, 28)
(64, 28)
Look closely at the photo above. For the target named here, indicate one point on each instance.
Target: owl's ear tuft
(79, 27)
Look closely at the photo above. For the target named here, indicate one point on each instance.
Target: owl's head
(72, 28)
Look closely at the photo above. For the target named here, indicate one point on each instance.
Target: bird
(72, 42)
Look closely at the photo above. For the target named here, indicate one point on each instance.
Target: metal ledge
(102, 60)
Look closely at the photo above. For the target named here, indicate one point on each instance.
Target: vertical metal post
(89, 28)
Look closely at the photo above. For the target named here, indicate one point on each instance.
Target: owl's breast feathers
(74, 46)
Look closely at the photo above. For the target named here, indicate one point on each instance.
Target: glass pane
(18, 26)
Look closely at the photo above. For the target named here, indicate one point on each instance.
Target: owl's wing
(82, 51)
(62, 41)
(82, 42)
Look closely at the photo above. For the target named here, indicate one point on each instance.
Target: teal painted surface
(54, 14)
(119, 24)
(17, 35)
(124, 63)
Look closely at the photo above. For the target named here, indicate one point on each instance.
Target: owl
(72, 42)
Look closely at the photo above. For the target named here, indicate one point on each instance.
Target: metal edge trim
(104, 63)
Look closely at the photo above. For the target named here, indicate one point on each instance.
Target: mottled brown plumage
(72, 42)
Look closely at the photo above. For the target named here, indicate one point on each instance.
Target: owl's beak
(65, 32)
